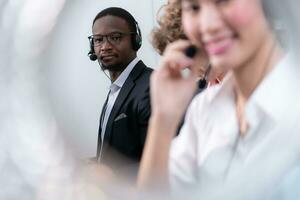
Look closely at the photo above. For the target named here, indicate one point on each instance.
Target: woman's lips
(218, 47)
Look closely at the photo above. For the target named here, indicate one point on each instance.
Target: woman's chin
(220, 65)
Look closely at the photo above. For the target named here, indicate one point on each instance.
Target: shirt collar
(274, 96)
(222, 90)
(277, 92)
(119, 82)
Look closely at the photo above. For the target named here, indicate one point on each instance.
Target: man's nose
(106, 44)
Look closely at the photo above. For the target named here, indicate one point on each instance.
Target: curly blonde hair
(169, 26)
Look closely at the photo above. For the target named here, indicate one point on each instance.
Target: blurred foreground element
(35, 161)
(32, 152)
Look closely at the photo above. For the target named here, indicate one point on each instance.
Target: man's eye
(98, 40)
(115, 37)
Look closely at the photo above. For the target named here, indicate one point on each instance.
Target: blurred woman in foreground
(235, 132)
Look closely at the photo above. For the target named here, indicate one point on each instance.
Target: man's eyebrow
(113, 32)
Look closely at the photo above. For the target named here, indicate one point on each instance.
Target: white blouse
(209, 151)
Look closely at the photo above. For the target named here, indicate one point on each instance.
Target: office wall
(76, 87)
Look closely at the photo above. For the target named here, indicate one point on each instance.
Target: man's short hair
(118, 12)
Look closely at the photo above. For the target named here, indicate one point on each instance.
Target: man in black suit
(124, 118)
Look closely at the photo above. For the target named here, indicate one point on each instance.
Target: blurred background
(51, 93)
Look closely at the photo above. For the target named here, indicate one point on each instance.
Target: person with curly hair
(169, 26)
(169, 30)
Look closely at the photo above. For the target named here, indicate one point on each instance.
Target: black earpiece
(191, 51)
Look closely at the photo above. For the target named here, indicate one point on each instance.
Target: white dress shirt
(114, 89)
(210, 152)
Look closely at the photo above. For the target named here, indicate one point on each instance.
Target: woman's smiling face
(231, 31)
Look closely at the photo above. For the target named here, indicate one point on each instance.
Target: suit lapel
(100, 125)
(125, 91)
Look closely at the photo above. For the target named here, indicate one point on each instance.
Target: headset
(190, 52)
(136, 38)
(136, 42)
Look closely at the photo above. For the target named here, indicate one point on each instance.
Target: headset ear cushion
(137, 38)
(136, 42)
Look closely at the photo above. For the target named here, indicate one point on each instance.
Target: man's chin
(106, 66)
(111, 66)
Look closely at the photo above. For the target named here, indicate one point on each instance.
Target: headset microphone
(202, 83)
(92, 56)
(190, 52)
(101, 66)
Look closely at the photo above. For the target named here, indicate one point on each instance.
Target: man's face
(112, 43)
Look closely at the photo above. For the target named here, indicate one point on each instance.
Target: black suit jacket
(127, 124)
